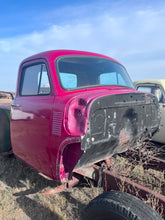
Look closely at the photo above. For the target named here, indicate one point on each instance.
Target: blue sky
(131, 31)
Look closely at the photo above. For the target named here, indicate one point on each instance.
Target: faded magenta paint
(47, 130)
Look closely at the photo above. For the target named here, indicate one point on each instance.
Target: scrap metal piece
(70, 183)
(113, 181)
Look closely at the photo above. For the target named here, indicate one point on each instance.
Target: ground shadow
(35, 210)
(15, 173)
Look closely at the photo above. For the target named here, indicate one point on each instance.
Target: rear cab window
(35, 80)
(154, 89)
(76, 72)
(112, 78)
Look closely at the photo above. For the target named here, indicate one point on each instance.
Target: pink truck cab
(73, 109)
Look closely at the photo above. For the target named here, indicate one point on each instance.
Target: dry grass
(21, 198)
(134, 169)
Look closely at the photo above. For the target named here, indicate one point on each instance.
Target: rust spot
(147, 98)
(108, 162)
(124, 136)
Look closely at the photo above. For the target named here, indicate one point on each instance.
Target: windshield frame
(90, 86)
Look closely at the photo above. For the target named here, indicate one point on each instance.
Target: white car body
(156, 87)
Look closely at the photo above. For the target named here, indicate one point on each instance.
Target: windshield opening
(78, 72)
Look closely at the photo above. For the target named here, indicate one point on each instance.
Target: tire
(116, 205)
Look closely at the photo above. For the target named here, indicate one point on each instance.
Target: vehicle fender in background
(5, 142)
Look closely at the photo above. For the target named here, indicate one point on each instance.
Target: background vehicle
(156, 87)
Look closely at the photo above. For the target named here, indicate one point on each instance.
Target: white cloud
(135, 38)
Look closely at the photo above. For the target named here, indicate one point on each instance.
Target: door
(31, 117)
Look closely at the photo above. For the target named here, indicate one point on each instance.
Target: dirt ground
(21, 197)
(21, 187)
